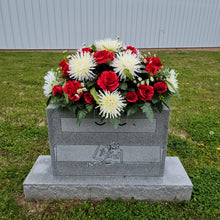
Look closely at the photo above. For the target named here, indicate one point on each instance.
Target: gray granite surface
(41, 184)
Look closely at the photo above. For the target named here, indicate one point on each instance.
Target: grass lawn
(194, 136)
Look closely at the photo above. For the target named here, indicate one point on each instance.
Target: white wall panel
(66, 24)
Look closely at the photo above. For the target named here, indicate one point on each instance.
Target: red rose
(131, 97)
(108, 80)
(88, 98)
(86, 50)
(145, 92)
(71, 88)
(102, 56)
(132, 49)
(57, 90)
(153, 64)
(160, 87)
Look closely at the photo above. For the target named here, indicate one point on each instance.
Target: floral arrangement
(116, 80)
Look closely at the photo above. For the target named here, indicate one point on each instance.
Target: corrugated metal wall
(66, 24)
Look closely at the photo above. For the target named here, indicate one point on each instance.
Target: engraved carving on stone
(107, 155)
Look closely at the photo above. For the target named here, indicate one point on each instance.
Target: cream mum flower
(126, 60)
(108, 44)
(111, 104)
(81, 66)
(172, 80)
(50, 82)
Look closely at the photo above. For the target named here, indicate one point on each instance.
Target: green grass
(193, 136)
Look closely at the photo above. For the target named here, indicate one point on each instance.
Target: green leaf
(89, 107)
(147, 109)
(80, 115)
(65, 94)
(95, 95)
(128, 74)
(72, 108)
(49, 100)
(80, 105)
(132, 109)
(94, 48)
(176, 92)
(131, 89)
(159, 106)
(123, 86)
(155, 99)
(167, 101)
(90, 83)
(115, 122)
(66, 97)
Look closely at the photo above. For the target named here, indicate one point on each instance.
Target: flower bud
(142, 82)
(147, 81)
(152, 79)
(79, 91)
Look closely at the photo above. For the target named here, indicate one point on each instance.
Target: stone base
(40, 184)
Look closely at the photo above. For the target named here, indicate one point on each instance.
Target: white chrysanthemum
(81, 66)
(111, 104)
(108, 44)
(126, 60)
(50, 82)
(172, 80)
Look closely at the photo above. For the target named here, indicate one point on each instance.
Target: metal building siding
(66, 24)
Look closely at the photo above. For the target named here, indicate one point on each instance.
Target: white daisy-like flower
(126, 60)
(81, 66)
(111, 104)
(172, 80)
(50, 82)
(108, 44)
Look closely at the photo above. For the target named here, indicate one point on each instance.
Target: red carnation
(62, 63)
(160, 87)
(153, 64)
(57, 90)
(86, 50)
(145, 92)
(65, 68)
(102, 56)
(88, 98)
(108, 80)
(131, 97)
(71, 88)
(132, 49)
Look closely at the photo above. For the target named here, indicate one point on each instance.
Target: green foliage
(123, 86)
(81, 114)
(95, 94)
(147, 109)
(89, 107)
(176, 92)
(72, 108)
(94, 48)
(194, 137)
(128, 74)
(167, 100)
(115, 122)
(132, 109)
